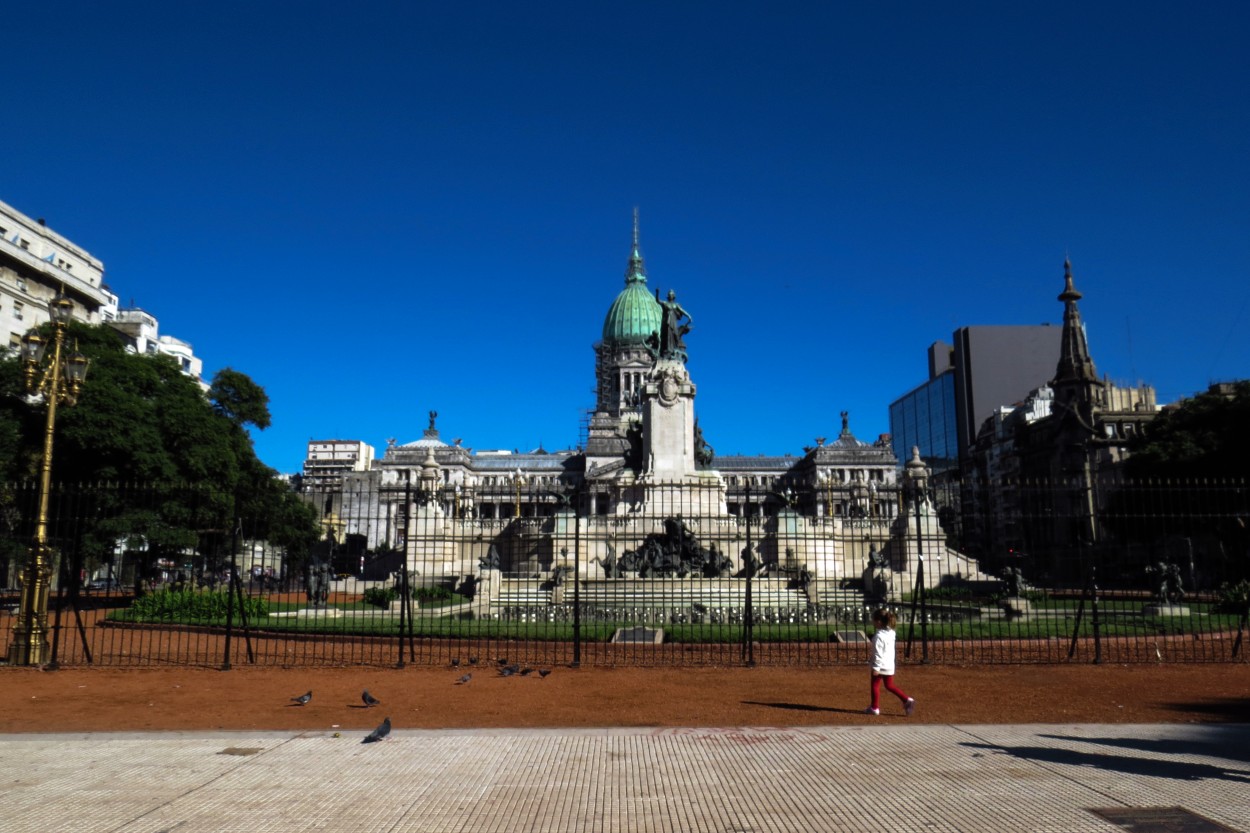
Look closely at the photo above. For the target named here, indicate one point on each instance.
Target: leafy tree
(1204, 436)
(16, 460)
(1185, 496)
(152, 460)
(239, 399)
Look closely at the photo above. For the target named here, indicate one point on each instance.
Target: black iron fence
(693, 573)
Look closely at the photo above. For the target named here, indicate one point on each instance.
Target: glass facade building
(925, 418)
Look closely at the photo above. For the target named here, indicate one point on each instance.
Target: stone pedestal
(668, 423)
(877, 582)
(1016, 607)
(486, 590)
(430, 547)
(309, 613)
(1165, 609)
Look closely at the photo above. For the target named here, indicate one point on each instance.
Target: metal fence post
(924, 609)
(1093, 613)
(748, 614)
(236, 586)
(1241, 627)
(404, 614)
(577, 577)
(225, 660)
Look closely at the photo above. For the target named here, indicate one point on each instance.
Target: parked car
(103, 584)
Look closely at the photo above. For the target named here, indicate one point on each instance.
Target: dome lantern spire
(634, 315)
(636, 270)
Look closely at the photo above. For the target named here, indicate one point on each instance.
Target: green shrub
(1234, 598)
(200, 605)
(950, 592)
(380, 596)
(434, 594)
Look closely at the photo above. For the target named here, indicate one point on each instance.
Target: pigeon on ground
(368, 699)
(543, 672)
(464, 679)
(302, 699)
(455, 662)
(377, 734)
(507, 671)
(472, 660)
(501, 661)
(525, 672)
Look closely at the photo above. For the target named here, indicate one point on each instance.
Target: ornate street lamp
(59, 378)
(518, 480)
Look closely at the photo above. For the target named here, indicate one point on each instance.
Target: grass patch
(1049, 619)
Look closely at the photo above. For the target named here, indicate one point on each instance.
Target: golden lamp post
(518, 480)
(59, 378)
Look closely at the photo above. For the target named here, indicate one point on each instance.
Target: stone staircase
(833, 595)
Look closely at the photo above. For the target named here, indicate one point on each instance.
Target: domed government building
(646, 497)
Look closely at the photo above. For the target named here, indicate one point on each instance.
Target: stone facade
(35, 263)
(815, 516)
(1062, 438)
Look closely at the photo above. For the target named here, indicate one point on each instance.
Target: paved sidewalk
(747, 780)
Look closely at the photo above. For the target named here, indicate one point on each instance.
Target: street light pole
(59, 380)
(518, 480)
(915, 485)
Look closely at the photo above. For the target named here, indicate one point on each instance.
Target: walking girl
(883, 663)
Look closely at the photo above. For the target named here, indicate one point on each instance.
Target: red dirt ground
(76, 699)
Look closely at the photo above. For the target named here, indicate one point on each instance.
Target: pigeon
(368, 699)
(525, 672)
(543, 672)
(377, 734)
(501, 661)
(464, 679)
(302, 699)
(507, 671)
(472, 660)
(455, 662)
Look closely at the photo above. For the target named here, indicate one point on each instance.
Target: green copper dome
(635, 314)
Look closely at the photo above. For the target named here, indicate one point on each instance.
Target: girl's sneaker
(871, 710)
(909, 706)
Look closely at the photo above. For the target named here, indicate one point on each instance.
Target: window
(18, 308)
(21, 284)
(25, 244)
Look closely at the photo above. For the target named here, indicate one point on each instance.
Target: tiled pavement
(885, 779)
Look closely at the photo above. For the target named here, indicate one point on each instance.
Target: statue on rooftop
(671, 345)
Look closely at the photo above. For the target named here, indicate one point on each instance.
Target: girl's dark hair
(883, 618)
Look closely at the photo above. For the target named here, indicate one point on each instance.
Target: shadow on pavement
(1135, 766)
(1231, 743)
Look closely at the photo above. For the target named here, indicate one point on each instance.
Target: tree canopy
(151, 456)
(1203, 436)
(239, 399)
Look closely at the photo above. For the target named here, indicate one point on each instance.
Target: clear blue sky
(379, 209)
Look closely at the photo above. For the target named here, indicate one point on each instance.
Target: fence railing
(666, 574)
